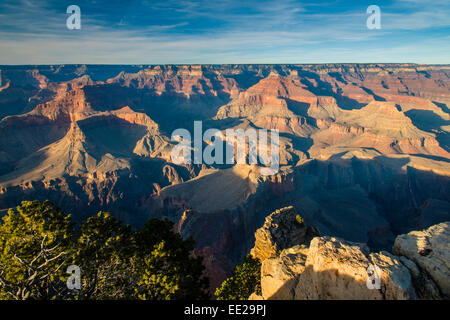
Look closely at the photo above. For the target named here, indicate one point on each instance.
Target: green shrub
(299, 219)
(38, 242)
(245, 281)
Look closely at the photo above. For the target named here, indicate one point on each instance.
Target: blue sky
(213, 32)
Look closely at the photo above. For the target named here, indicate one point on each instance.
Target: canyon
(364, 148)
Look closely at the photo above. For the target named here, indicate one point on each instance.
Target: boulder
(281, 230)
(338, 269)
(430, 251)
(279, 275)
(396, 281)
(425, 286)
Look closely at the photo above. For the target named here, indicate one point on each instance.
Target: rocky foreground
(299, 268)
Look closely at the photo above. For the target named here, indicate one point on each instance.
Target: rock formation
(430, 251)
(279, 274)
(337, 269)
(364, 148)
(281, 230)
(333, 268)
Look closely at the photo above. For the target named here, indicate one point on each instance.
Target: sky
(224, 32)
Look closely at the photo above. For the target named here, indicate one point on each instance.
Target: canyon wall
(364, 148)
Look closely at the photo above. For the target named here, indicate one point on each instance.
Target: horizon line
(225, 64)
